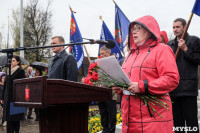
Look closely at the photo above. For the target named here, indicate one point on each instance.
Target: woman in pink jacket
(163, 37)
(152, 69)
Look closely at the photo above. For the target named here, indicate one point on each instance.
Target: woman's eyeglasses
(136, 28)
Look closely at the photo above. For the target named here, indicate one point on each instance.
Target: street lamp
(21, 29)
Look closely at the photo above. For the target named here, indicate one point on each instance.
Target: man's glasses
(136, 28)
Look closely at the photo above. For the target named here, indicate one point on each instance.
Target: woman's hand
(117, 89)
(134, 88)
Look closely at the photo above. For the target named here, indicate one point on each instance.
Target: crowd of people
(6, 95)
(152, 68)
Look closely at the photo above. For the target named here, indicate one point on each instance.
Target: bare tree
(2, 43)
(37, 30)
(15, 28)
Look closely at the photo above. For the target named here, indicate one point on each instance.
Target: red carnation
(92, 65)
(90, 72)
(86, 80)
(90, 83)
(95, 76)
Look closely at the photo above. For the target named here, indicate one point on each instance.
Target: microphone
(108, 43)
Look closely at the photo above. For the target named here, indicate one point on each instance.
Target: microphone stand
(9, 53)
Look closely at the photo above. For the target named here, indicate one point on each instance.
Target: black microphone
(108, 43)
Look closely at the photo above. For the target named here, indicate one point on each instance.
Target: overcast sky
(88, 12)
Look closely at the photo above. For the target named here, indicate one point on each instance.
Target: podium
(63, 105)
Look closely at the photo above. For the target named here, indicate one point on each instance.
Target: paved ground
(32, 126)
(28, 126)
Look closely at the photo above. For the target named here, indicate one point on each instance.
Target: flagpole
(21, 28)
(184, 34)
(71, 9)
(87, 54)
(114, 1)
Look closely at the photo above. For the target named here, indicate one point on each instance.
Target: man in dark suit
(62, 65)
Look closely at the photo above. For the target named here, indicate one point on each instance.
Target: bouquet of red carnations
(97, 76)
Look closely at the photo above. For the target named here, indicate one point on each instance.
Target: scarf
(13, 69)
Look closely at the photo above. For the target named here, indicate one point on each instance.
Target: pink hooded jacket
(164, 35)
(153, 66)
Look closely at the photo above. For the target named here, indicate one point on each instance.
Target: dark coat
(7, 96)
(1, 90)
(188, 66)
(63, 66)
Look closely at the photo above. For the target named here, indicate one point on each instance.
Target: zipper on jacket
(143, 62)
(133, 62)
(128, 56)
(140, 79)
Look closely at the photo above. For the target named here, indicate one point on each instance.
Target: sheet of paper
(111, 66)
(125, 92)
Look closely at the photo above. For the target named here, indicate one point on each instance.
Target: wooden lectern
(63, 105)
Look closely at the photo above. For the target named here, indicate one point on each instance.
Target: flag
(106, 35)
(121, 27)
(196, 8)
(75, 37)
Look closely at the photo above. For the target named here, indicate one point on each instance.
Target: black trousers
(29, 112)
(13, 126)
(36, 113)
(185, 113)
(108, 113)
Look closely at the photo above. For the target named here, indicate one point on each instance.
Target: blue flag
(121, 27)
(196, 8)
(106, 35)
(75, 37)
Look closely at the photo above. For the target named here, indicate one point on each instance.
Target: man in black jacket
(62, 65)
(185, 95)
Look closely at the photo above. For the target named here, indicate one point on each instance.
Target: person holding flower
(152, 70)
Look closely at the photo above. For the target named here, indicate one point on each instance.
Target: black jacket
(7, 96)
(63, 66)
(187, 66)
(1, 90)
